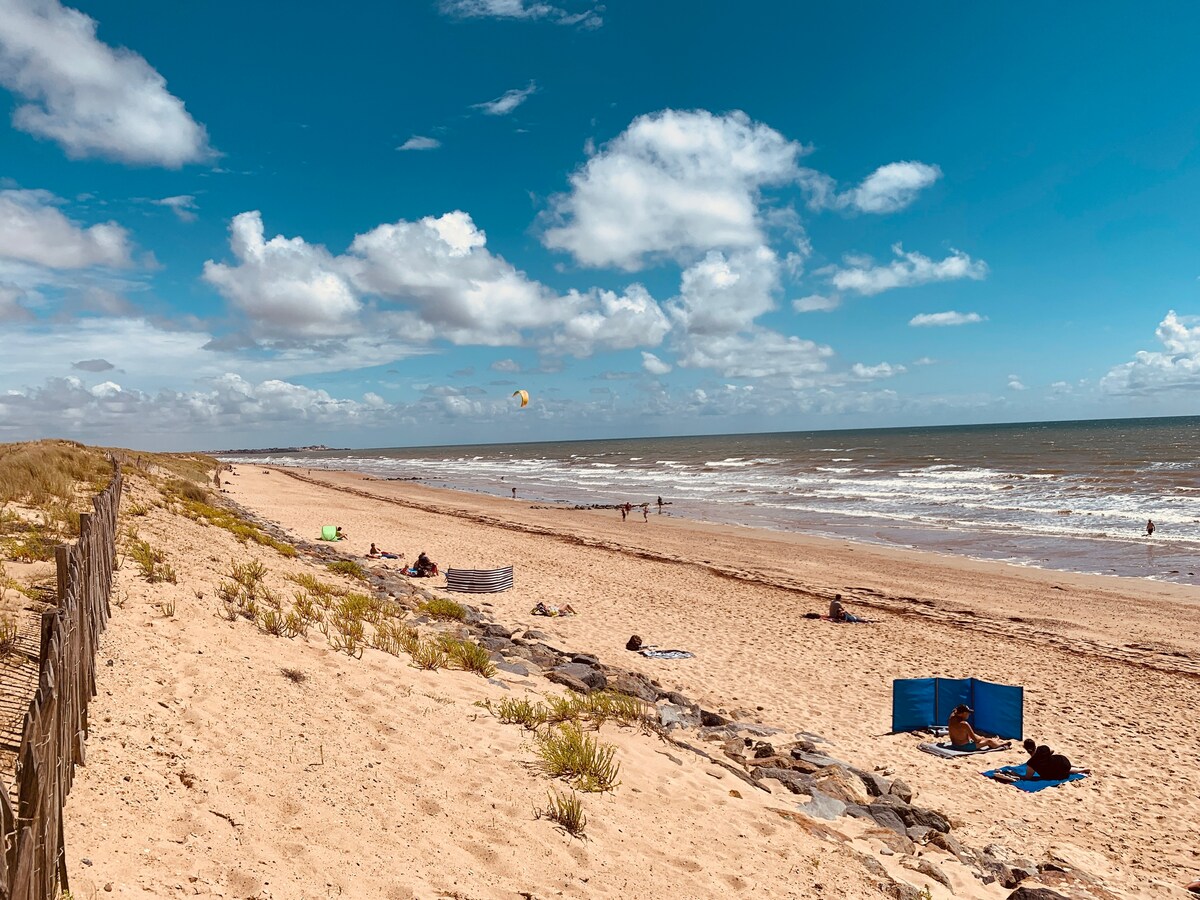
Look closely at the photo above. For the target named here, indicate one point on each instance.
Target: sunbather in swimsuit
(963, 736)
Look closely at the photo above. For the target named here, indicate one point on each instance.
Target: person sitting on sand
(838, 613)
(425, 567)
(963, 737)
(1044, 765)
(340, 535)
(374, 552)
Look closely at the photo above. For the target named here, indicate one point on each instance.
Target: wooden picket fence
(33, 862)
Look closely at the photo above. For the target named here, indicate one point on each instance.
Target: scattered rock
(670, 715)
(634, 685)
(881, 816)
(711, 719)
(763, 750)
(822, 806)
(840, 782)
(512, 668)
(902, 790)
(796, 782)
(952, 846)
(568, 681)
(1035, 893)
(585, 659)
(875, 783)
(925, 867)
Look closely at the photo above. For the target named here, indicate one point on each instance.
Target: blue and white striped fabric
(480, 581)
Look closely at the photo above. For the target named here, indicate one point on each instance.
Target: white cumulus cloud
(870, 373)
(888, 189)
(817, 303)
(654, 365)
(507, 102)
(892, 187)
(419, 142)
(420, 281)
(183, 205)
(907, 270)
(1174, 367)
(588, 17)
(950, 317)
(674, 182)
(286, 286)
(90, 98)
(34, 230)
(1015, 383)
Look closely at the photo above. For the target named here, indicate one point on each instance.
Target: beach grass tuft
(470, 657)
(295, 676)
(567, 752)
(428, 655)
(567, 811)
(152, 563)
(8, 634)
(350, 569)
(443, 608)
(514, 711)
(200, 510)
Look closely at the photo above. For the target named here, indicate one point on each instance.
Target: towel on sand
(945, 750)
(1031, 787)
(654, 653)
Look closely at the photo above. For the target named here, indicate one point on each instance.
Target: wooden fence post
(61, 561)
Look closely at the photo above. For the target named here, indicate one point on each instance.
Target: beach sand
(212, 774)
(1109, 665)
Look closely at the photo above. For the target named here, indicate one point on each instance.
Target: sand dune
(211, 773)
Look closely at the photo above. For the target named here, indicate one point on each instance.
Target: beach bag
(634, 643)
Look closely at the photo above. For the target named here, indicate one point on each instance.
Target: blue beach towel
(1031, 787)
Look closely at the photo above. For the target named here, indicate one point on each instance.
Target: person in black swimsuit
(1045, 765)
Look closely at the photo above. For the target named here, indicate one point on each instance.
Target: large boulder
(885, 818)
(840, 782)
(635, 685)
(572, 673)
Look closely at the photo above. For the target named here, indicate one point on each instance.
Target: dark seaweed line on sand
(897, 605)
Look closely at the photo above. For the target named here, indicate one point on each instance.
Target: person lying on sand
(1043, 765)
(376, 553)
(963, 736)
(549, 609)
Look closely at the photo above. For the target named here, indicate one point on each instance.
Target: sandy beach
(210, 773)
(1109, 665)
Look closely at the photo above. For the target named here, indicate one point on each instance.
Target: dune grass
(350, 569)
(567, 811)
(443, 608)
(192, 501)
(42, 473)
(567, 752)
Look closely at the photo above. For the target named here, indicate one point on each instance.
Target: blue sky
(226, 224)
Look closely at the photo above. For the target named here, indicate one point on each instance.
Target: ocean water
(1073, 496)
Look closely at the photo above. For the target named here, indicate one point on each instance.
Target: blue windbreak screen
(925, 702)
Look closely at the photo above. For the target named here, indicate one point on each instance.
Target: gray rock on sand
(1035, 893)
(822, 806)
(578, 677)
(634, 685)
(670, 715)
(925, 867)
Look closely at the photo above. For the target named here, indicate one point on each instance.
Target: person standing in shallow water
(1149, 528)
